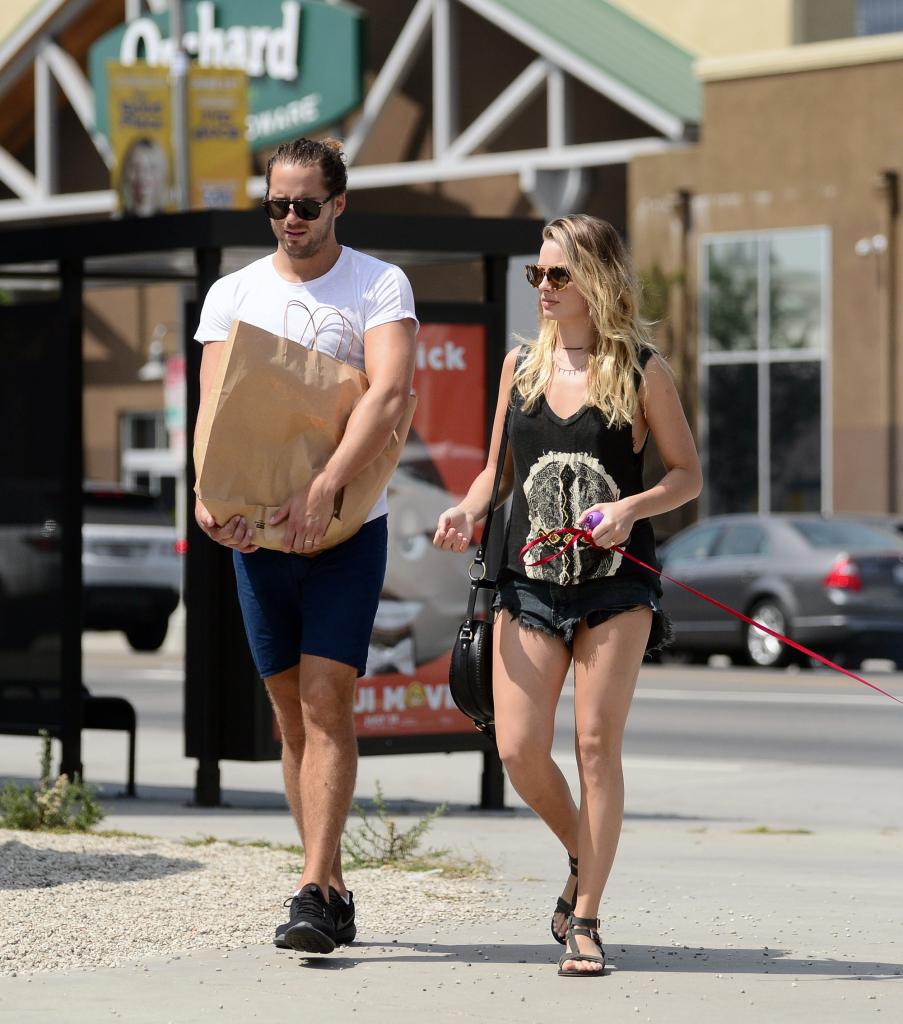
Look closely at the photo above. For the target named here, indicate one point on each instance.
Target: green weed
(56, 805)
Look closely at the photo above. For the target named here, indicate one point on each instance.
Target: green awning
(619, 46)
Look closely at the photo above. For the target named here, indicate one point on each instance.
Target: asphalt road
(700, 712)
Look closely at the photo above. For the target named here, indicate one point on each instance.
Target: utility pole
(178, 77)
(888, 186)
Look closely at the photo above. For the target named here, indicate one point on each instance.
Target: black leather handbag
(470, 672)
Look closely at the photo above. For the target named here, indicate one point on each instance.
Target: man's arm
(237, 533)
(389, 362)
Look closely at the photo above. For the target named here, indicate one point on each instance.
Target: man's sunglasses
(306, 209)
(558, 277)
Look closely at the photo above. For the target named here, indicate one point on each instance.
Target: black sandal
(563, 906)
(588, 926)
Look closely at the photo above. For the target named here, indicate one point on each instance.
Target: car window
(123, 507)
(837, 533)
(696, 543)
(743, 539)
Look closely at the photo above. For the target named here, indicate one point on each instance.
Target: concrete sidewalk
(741, 892)
(701, 922)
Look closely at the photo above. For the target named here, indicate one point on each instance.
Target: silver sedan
(835, 585)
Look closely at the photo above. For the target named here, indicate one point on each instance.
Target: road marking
(677, 763)
(136, 675)
(742, 697)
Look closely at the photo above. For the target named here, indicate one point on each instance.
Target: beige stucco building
(747, 149)
(777, 236)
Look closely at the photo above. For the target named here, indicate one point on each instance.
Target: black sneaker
(342, 916)
(310, 927)
(279, 938)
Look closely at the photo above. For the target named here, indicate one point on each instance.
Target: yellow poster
(141, 138)
(218, 154)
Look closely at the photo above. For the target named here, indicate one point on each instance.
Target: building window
(874, 17)
(762, 355)
(146, 460)
(142, 431)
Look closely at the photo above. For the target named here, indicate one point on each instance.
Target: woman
(583, 399)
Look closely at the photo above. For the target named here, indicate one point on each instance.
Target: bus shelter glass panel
(32, 404)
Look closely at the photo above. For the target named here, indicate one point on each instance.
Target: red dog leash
(578, 534)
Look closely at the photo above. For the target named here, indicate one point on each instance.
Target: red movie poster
(405, 691)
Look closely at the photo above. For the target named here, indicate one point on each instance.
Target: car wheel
(764, 650)
(148, 636)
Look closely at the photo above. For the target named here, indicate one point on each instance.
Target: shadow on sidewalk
(25, 867)
(657, 959)
(703, 960)
(149, 799)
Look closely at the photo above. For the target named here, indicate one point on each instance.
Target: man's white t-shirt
(359, 292)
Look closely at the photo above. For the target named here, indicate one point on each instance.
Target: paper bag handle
(330, 312)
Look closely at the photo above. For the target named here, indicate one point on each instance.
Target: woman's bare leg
(529, 667)
(607, 661)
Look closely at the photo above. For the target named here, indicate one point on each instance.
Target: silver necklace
(570, 371)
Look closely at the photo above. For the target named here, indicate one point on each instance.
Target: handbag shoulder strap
(477, 568)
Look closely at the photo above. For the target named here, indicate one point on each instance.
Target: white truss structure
(455, 148)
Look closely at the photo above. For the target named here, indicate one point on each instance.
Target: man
(308, 613)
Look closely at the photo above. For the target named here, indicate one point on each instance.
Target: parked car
(131, 564)
(425, 590)
(30, 598)
(834, 585)
(894, 523)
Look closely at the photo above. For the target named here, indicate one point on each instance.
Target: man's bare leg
(284, 691)
(328, 763)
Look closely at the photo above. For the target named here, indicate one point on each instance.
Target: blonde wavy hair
(600, 270)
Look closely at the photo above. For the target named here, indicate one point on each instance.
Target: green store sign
(303, 59)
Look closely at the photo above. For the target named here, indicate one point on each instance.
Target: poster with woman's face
(141, 139)
(144, 181)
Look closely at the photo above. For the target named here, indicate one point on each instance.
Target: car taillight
(844, 575)
(44, 544)
(181, 546)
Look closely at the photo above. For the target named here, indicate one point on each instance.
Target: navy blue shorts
(323, 605)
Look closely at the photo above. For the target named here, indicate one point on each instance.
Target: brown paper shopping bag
(276, 413)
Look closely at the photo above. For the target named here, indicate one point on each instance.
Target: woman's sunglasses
(306, 209)
(558, 277)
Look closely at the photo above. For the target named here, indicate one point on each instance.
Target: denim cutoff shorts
(319, 604)
(557, 610)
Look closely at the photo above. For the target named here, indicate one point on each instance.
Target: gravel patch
(85, 901)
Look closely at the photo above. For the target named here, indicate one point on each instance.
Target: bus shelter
(459, 267)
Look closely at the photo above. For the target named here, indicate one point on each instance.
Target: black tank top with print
(561, 467)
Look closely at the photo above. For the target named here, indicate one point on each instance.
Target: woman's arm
(456, 524)
(682, 481)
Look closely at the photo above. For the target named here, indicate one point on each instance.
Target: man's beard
(303, 250)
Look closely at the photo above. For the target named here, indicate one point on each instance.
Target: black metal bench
(116, 713)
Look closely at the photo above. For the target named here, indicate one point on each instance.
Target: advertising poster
(218, 153)
(405, 691)
(141, 138)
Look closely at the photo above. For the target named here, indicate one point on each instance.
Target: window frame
(762, 356)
